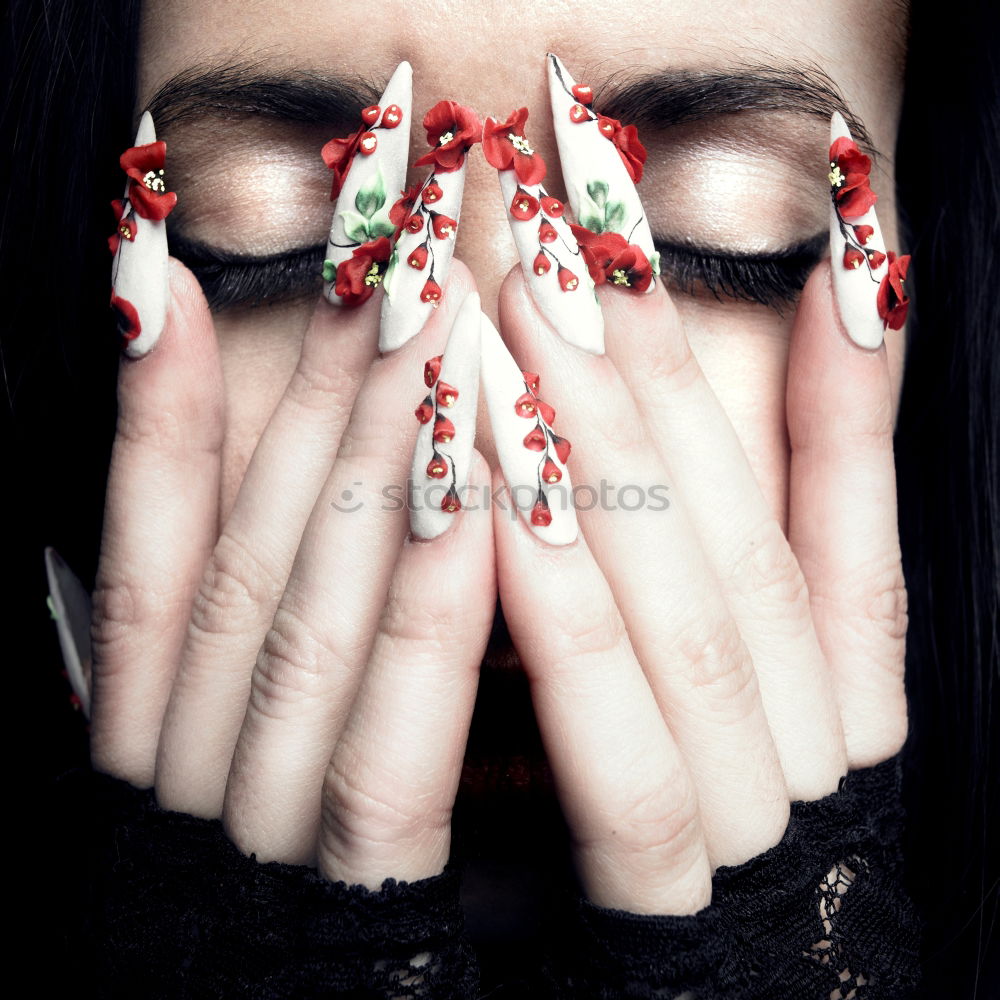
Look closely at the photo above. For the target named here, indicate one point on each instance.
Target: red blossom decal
(506, 148)
(431, 292)
(432, 369)
(541, 264)
(541, 516)
(147, 190)
(431, 193)
(552, 207)
(611, 258)
(446, 395)
(452, 130)
(370, 114)
(534, 440)
(583, 93)
(443, 225)
(578, 114)
(849, 184)
(551, 472)
(524, 206)
(562, 447)
(126, 317)
(450, 503)
(444, 429)
(545, 411)
(437, 467)
(362, 272)
(125, 226)
(338, 155)
(392, 117)
(853, 258)
(568, 281)
(863, 233)
(876, 259)
(530, 380)
(892, 301)
(626, 140)
(425, 410)
(401, 214)
(524, 405)
(418, 257)
(547, 232)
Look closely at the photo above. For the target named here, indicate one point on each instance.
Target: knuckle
(766, 568)
(236, 588)
(294, 666)
(669, 367)
(313, 386)
(361, 809)
(582, 637)
(716, 658)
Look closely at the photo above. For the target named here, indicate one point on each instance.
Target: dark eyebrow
(675, 97)
(238, 89)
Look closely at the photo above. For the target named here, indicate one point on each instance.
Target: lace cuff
(178, 911)
(822, 915)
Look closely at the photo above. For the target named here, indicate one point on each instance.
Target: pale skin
(261, 658)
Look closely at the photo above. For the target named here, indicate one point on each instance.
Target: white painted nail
(602, 161)
(369, 169)
(447, 415)
(69, 604)
(867, 279)
(554, 268)
(429, 214)
(533, 457)
(139, 288)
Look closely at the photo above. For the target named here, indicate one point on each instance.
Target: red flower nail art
(583, 93)
(338, 155)
(431, 292)
(431, 193)
(418, 257)
(611, 258)
(401, 214)
(506, 148)
(893, 302)
(524, 206)
(148, 188)
(849, 184)
(126, 317)
(551, 472)
(432, 369)
(443, 225)
(452, 130)
(534, 440)
(444, 429)
(540, 513)
(853, 258)
(552, 207)
(541, 263)
(568, 281)
(437, 467)
(370, 114)
(451, 502)
(547, 232)
(362, 272)
(562, 447)
(392, 117)
(626, 140)
(425, 411)
(446, 395)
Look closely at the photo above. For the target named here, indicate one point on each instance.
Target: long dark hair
(65, 118)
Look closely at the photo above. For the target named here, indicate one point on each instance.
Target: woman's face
(742, 178)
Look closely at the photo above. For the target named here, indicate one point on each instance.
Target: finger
(391, 783)
(159, 528)
(680, 628)
(842, 522)
(308, 668)
(748, 551)
(628, 798)
(246, 574)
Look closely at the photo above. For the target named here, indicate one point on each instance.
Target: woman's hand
(298, 666)
(696, 667)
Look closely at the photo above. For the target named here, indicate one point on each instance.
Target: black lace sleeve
(176, 911)
(822, 915)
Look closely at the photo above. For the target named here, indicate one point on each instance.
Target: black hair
(68, 112)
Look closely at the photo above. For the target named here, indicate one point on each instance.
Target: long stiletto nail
(139, 287)
(70, 607)
(602, 161)
(369, 167)
(554, 268)
(426, 220)
(867, 279)
(447, 415)
(533, 457)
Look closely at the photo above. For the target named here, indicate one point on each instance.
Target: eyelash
(773, 280)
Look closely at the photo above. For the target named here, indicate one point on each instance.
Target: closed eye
(773, 280)
(230, 280)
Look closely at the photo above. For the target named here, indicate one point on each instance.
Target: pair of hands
(308, 673)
